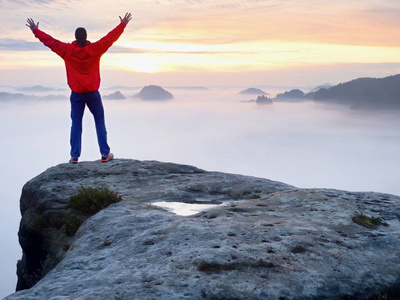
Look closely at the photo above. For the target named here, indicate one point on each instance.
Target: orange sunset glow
(173, 38)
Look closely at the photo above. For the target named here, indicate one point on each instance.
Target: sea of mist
(304, 144)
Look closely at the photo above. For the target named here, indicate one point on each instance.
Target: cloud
(30, 2)
(191, 35)
(20, 45)
(121, 49)
(370, 22)
(342, 22)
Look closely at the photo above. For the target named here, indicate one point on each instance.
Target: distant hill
(262, 100)
(15, 97)
(114, 96)
(10, 97)
(364, 93)
(321, 86)
(154, 92)
(37, 88)
(253, 91)
(293, 95)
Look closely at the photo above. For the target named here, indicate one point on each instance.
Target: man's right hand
(127, 18)
(31, 24)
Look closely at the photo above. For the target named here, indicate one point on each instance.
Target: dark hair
(81, 35)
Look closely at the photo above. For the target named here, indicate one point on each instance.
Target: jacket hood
(75, 43)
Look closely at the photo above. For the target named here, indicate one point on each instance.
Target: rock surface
(267, 240)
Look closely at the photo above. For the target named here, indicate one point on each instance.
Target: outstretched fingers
(127, 18)
(31, 24)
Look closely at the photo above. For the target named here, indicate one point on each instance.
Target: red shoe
(74, 160)
(107, 157)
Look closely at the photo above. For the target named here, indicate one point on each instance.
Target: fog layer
(303, 144)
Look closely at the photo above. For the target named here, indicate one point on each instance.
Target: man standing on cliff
(82, 63)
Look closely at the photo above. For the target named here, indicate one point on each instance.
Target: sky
(246, 43)
(207, 42)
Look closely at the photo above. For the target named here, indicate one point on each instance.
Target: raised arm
(106, 42)
(55, 45)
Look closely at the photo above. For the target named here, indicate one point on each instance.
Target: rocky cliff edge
(264, 239)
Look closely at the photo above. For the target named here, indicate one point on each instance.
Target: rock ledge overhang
(271, 241)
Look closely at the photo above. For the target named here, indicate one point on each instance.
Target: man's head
(80, 36)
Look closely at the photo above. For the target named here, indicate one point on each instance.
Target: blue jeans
(93, 102)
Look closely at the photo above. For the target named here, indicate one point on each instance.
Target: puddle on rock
(185, 209)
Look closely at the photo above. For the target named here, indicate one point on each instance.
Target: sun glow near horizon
(263, 42)
(177, 36)
(141, 63)
(245, 57)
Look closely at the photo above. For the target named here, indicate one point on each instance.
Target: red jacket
(82, 63)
